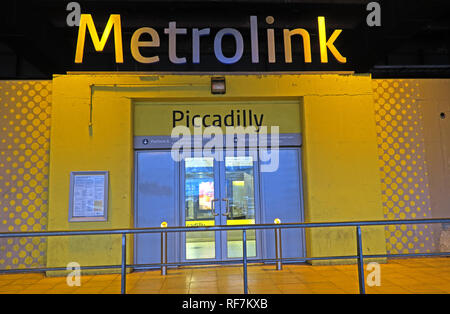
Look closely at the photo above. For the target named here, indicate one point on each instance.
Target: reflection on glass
(240, 192)
(199, 193)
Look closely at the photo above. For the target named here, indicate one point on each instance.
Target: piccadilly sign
(174, 33)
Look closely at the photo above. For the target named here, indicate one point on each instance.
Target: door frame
(182, 213)
(258, 210)
(261, 244)
(220, 236)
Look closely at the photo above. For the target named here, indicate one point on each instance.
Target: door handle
(228, 206)
(213, 210)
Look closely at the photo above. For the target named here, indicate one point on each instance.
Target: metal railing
(278, 260)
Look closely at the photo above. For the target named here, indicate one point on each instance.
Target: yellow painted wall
(75, 148)
(341, 178)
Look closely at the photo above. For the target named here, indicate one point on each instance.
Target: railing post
(362, 287)
(163, 249)
(278, 248)
(123, 285)
(244, 255)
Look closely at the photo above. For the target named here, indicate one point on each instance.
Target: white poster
(89, 196)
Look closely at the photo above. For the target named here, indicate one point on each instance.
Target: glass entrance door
(200, 196)
(239, 191)
(219, 193)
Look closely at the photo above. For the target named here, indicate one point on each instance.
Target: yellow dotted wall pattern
(25, 108)
(403, 167)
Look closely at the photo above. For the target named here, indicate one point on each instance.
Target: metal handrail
(245, 261)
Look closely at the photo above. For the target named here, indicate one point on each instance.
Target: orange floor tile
(398, 276)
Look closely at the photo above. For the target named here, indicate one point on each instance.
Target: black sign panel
(38, 41)
(236, 50)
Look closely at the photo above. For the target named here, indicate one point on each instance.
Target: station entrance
(233, 189)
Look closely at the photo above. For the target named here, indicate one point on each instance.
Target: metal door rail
(245, 260)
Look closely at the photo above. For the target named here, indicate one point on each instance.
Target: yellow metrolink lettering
(328, 44)
(136, 43)
(288, 47)
(114, 22)
(87, 22)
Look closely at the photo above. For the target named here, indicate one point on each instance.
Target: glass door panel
(239, 203)
(199, 198)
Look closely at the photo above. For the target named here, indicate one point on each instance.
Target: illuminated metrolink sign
(173, 32)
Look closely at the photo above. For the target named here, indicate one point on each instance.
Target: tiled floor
(404, 276)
